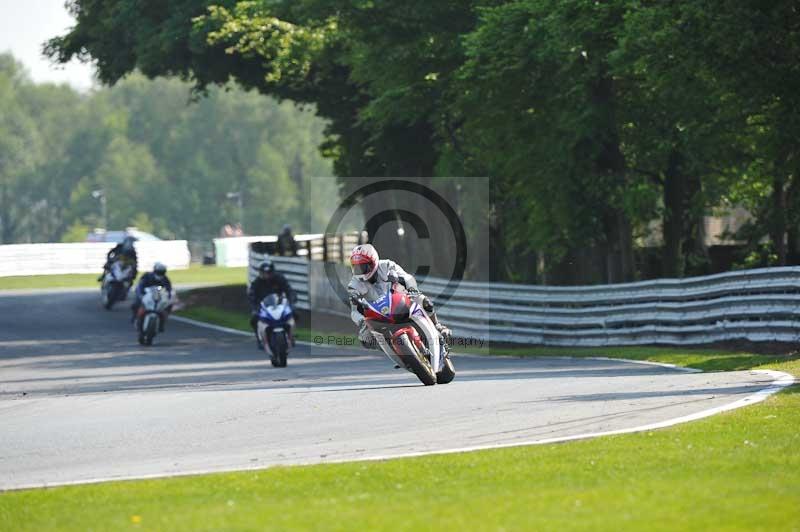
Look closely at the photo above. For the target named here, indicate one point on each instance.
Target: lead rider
(372, 277)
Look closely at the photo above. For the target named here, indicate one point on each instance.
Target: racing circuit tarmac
(80, 400)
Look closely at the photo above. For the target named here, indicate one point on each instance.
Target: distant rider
(125, 252)
(371, 278)
(268, 282)
(158, 277)
(286, 245)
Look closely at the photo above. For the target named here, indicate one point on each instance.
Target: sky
(25, 25)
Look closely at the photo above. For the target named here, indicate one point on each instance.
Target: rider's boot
(445, 332)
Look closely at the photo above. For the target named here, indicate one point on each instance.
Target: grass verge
(739, 470)
(194, 274)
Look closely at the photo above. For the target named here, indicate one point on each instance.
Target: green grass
(700, 358)
(194, 274)
(738, 470)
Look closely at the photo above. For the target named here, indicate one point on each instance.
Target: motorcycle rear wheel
(415, 361)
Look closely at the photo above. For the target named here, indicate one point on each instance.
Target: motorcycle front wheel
(415, 361)
(447, 373)
(150, 326)
(280, 348)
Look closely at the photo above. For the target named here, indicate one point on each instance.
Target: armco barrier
(761, 305)
(234, 251)
(89, 257)
(294, 268)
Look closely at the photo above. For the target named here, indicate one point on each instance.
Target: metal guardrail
(294, 268)
(759, 305)
(234, 251)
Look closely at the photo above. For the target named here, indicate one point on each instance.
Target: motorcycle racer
(158, 277)
(125, 252)
(371, 277)
(268, 282)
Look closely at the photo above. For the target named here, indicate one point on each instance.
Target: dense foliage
(593, 119)
(166, 163)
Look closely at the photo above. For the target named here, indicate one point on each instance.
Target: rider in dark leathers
(124, 252)
(268, 282)
(286, 244)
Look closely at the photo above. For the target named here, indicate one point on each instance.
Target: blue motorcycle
(275, 323)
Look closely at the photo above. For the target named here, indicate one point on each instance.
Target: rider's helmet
(266, 268)
(364, 261)
(127, 244)
(160, 270)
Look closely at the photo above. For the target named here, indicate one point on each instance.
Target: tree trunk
(610, 164)
(793, 220)
(778, 227)
(673, 226)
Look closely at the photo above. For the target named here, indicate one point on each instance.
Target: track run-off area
(82, 401)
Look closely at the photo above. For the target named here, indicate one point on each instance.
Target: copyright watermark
(347, 341)
(436, 229)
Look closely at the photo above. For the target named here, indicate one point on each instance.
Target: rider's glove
(392, 277)
(364, 335)
(356, 302)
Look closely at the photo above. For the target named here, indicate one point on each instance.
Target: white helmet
(364, 261)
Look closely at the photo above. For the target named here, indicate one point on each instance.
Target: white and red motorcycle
(406, 334)
(116, 283)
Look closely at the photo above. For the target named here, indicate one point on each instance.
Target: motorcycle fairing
(383, 310)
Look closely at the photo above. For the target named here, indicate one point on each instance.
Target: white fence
(233, 251)
(758, 305)
(43, 259)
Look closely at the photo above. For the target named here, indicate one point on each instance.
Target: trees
(161, 160)
(19, 149)
(593, 119)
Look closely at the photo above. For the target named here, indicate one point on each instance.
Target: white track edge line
(781, 380)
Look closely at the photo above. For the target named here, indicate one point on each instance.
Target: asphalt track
(81, 401)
